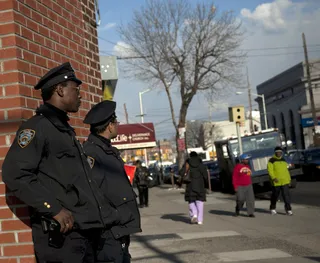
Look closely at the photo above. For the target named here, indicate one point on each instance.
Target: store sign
(308, 122)
(135, 136)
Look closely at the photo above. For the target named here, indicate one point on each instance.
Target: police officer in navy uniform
(108, 171)
(47, 169)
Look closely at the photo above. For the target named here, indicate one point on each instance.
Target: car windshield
(256, 142)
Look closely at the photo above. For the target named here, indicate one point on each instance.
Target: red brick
(31, 103)
(9, 29)
(8, 260)
(27, 260)
(31, 3)
(57, 8)
(26, 11)
(10, 77)
(21, 42)
(27, 33)
(35, 48)
(36, 70)
(18, 250)
(52, 16)
(41, 61)
(8, 53)
(9, 127)
(5, 213)
(38, 39)
(6, 103)
(9, 41)
(48, 23)
(6, 4)
(36, 17)
(11, 225)
(11, 90)
(25, 237)
(28, 56)
(6, 16)
(7, 238)
(45, 52)
(44, 31)
(42, 9)
(32, 25)
(30, 80)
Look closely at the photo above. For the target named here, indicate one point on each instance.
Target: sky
(273, 36)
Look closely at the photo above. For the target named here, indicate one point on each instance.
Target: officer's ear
(60, 90)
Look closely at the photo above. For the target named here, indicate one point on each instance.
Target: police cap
(101, 113)
(57, 75)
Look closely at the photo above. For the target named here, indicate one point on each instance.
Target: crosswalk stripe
(247, 255)
(195, 235)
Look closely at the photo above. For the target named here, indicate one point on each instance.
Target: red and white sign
(135, 136)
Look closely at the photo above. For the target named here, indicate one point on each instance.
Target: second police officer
(108, 171)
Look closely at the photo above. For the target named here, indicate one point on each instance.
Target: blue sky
(281, 27)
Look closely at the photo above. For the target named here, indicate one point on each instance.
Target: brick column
(36, 35)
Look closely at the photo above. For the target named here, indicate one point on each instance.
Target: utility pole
(160, 159)
(126, 113)
(250, 102)
(316, 136)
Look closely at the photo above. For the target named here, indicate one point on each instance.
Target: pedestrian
(141, 178)
(109, 173)
(280, 181)
(195, 193)
(47, 169)
(242, 184)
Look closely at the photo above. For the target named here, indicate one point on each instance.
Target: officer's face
(71, 97)
(114, 128)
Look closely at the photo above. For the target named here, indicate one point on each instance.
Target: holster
(52, 228)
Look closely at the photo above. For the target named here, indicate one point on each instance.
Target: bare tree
(192, 49)
(202, 134)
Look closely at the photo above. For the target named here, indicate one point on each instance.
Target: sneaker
(194, 220)
(200, 223)
(273, 212)
(289, 213)
(252, 215)
(237, 213)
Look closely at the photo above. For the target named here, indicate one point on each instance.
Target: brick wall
(36, 35)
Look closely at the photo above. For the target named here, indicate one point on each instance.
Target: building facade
(288, 102)
(34, 37)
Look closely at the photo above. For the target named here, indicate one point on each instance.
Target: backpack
(142, 175)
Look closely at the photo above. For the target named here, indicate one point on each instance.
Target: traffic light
(236, 114)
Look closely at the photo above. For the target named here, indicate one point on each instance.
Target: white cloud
(107, 26)
(122, 49)
(270, 15)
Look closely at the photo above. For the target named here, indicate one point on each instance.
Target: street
(169, 237)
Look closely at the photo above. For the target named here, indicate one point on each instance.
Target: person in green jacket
(280, 180)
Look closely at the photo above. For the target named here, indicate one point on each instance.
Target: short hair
(193, 154)
(101, 128)
(138, 162)
(46, 94)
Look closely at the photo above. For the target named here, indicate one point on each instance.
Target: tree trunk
(182, 124)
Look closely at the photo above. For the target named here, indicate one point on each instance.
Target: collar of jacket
(279, 158)
(101, 141)
(56, 116)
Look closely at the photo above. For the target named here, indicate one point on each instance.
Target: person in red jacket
(242, 184)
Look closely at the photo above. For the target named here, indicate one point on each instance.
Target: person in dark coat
(46, 168)
(195, 192)
(108, 171)
(141, 178)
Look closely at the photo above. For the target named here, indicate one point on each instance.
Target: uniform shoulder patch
(90, 161)
(25, 137)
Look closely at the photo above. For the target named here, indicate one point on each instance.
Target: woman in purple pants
(195, 192)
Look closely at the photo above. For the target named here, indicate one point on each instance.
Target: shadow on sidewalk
(160, 254)
(177, 217)
(316, 259)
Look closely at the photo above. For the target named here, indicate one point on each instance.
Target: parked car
(214, 171)
(311, 163)
(155, 176)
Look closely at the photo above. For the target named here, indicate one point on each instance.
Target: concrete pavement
(169, 237)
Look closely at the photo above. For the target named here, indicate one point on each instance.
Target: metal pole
(161, 166)
(264, 112)
(250, 102)
(142, 121)
(209, 182)
(313, 107)
(239, 138)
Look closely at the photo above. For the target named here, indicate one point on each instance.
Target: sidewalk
(168, 235)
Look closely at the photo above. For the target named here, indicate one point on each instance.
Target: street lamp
(263, 104)
(141, 107)
(142, 120)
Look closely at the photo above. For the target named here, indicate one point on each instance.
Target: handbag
(186, 177)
